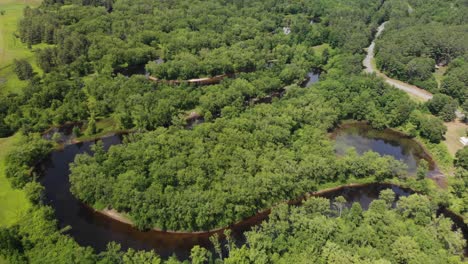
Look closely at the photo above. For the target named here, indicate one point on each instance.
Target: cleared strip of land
(454, 129)
(370, 67)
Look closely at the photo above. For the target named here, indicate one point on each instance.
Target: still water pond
(362, 137)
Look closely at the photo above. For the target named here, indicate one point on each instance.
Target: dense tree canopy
(250, 154)
(281, 148)
(419, 35)
(313, 233)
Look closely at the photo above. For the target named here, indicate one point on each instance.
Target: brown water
(91, 228)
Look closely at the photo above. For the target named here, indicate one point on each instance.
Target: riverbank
(321, 190)
(261, 214)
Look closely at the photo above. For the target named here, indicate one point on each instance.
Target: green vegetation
(12, 48)
(312, 233)
(443, 106)
(20, 159)
(249, 155)
(455, 82)
(14, 202)
(273, 147)
(459, 184)
(413, 43)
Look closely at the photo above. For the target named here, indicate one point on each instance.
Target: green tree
(23, 69)
(420, 68)
(444, 106)
(461, 158)
(214, 239)
(340, 203)
(91, 128)
(34, 192)
(388, 196)
(199, 255)
(423, 169)
(432, 128)
(406, 250)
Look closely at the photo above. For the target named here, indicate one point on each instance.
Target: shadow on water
(91, 228)
(138, 69)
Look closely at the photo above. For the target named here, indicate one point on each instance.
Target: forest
(423, 37)
(264, 138)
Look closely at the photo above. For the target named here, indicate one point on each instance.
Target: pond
(92, 228)
(312, 77)
(363, 138)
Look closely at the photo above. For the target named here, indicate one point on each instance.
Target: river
(92, 228)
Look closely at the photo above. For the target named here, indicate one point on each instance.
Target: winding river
(92, 228)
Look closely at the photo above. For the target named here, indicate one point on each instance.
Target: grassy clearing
(440, 154)
(455, 130)
(104, 126)
(10, 47)
(320, 48)
(13, 202)
(439, 74)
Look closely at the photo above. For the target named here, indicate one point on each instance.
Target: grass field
(10, 47)
(455, 130)
(13, 202)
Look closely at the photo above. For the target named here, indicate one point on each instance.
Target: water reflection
(362, 137)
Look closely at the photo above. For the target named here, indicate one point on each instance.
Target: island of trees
(248, 155)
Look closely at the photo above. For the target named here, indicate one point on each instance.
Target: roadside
(455, 129)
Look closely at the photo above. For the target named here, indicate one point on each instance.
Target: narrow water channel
(91, 228)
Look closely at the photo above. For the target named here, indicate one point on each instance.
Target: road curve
(370, 68)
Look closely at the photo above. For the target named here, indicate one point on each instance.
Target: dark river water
(385, 142)
(90, 228)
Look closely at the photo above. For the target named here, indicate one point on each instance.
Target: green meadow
(10, 47)
(14, 202)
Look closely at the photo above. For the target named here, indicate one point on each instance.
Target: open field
(10, 47)
(455, 130)
(14, 202)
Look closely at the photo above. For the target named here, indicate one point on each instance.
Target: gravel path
(370, 68)
(415, 91)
